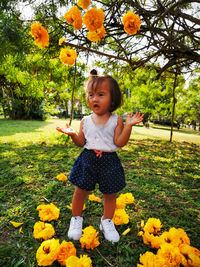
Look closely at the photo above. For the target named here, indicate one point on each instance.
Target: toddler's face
(100, 98)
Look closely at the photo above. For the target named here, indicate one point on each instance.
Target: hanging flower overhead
(67, 249)
(131, 22)
(84, 4)
(68, 56)
(40, 35)
(47, 252)
(97, 35)
(93, 19)
(48, 212)
(43, 230)
(73, 16)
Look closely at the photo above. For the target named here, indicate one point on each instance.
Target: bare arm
(78, 139)
(123, 132)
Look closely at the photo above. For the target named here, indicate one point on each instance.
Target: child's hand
(70, 131)
(137, 118)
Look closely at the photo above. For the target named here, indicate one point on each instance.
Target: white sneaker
(108, 228)
(75, 228)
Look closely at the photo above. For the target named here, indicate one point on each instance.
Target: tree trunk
(173, 107)
(72, 98)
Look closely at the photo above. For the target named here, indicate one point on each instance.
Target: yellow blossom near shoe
(151, 240)
(83, 261)
(66, 250)
(68, 56)
(43, 230)
(191, 254)
(131, 22)
(61, 177)
(128, 198)
(153, 226)
(84, 4)
(93, 198)
(93, 19)
(48, 212)
(73, 16)
(89, 239)
(120, 217)
(40, 34)
(97, 35)
(61, 40)
(47, 252)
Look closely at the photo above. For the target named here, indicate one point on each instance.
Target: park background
(158, 73)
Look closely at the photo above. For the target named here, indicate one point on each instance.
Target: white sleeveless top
(100, 137)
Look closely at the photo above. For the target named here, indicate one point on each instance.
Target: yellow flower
(171, 255)
(47, 252)
(151, 240)
(153, 225)
(61, 40)
(61, 177)
(97, 35)
(131, 22)
(48, 212)
(120, 217)
(43, 230)
(68, 56)
(67, 249)
(73, 16)
(92, 197)
(70, 206)
(74, 261)
(151, 260)
(15, 224)
(126, 231)
(93, 19)
(89, 239)
(191, 255)
(40, 34)
(128, 198)
(84, 4)
(120, 203)
(176, 237)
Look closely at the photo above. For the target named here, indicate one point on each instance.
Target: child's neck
(101, 119)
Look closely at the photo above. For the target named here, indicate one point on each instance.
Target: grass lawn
(164, 178)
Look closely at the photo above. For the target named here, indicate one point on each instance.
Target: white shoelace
(76, 223)
(108, 225)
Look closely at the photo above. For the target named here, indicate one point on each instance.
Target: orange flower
(68, 56)
(92, 197)
(73, 16)
(191, 254)
(48, 212)
(93, 19)
(131, 22)
(84, 3)
(96, 35)
(89, 238)
(67, 249)
(43, 230)
(152, 226)
(40, 35)
(61, 177)
(83, 261)
(120, 217)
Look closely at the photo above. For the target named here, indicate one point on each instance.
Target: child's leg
(109, 206)
(107, 225)
(78, 201)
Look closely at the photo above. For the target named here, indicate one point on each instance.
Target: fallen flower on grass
(120, 217)
(67, 249)
(16, 224)
(47, 252)
(43, 230)
(48, 212)
(83, 261)
(89, 239)
(93, 198)
(61, 177)
(126, 231)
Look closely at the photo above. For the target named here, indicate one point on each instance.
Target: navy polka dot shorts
(105, 170)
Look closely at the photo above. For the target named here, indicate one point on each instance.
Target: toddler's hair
(94, 82)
